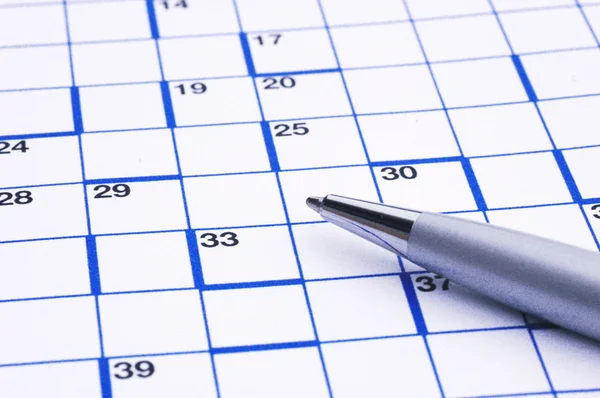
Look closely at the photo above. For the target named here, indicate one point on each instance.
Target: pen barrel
(549, 279)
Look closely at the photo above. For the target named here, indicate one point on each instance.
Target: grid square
(504, 361)
(397, 367)
(572, 122)
(89, 21)
(572, 361)
(199, 17)
(189, 375)
(65, 380)
(348, 181)
(154, 327)
(326, 251)
(592, 213)
(133, 154)
(37, 269)
(137, 211)
(223, 207)
(551, 74)
(437, 187)
(144, 262)
(247, 255)
(224, 149)
(36, 111)
(495, 130)
(296, 150)
(266, 315)
(35, 67)
(481, 82)
(562, 223)
(376, 90)
(581, 162)
(545, 36)
(201, 57)
(592, 15)
(439, 8)
(32, 25)
(272, 374)
(282, 15)
(376, 45)
(299, 101)
(38, 165)
(520, 180)
(507, 5)
(292, 51)
(120, 62)
(337, 12)
(230, 100)
(461, 38)
(416, 135)
(122, 107)
(49, 330)
(343, 309)
(457, 308)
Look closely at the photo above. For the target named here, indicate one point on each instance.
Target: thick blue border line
(524, 78)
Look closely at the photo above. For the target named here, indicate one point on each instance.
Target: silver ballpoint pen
(552, 280)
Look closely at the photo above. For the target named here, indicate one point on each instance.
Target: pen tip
(315, 203)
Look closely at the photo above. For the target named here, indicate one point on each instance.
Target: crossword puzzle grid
(155, 158)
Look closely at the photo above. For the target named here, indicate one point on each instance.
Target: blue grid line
(587, 21)
(524, 78)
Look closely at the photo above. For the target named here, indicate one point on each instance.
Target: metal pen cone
(315, 203)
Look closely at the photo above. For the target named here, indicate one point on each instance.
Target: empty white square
(581, 163)
(134, 106)
(247, 255)
(408, 136)
(343, 309)
(481, 82)
(89, 21)
(355, 182)
(592, 14)
(266, 315)
(37, 269)
(120, 62)
(397, 367)
(280, 15)
(551, 74)
(308, 143)
(293, 373)
(37, 165)
(189, 375)
(311, 95)
(376, 90)
(462, 38)
(495, 130)
(231, 148)
(439, 8)
(376, 45)
(337, 12)
(457, 308)
(438, 187)
(157, 322)
(198, 17)
(150, 206)
(32, 25)
(291, 51)
(144, 262)
(520, 180)
(133, 154)
(571, 360)
(36, 111)
(506, 5)
(49, 330)
(200, 57)
(572, 122)
(326, 251)
(545, 36)
(504, 362)
(35, 67)
(223, 101)
(261, 204)
(565, 223)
